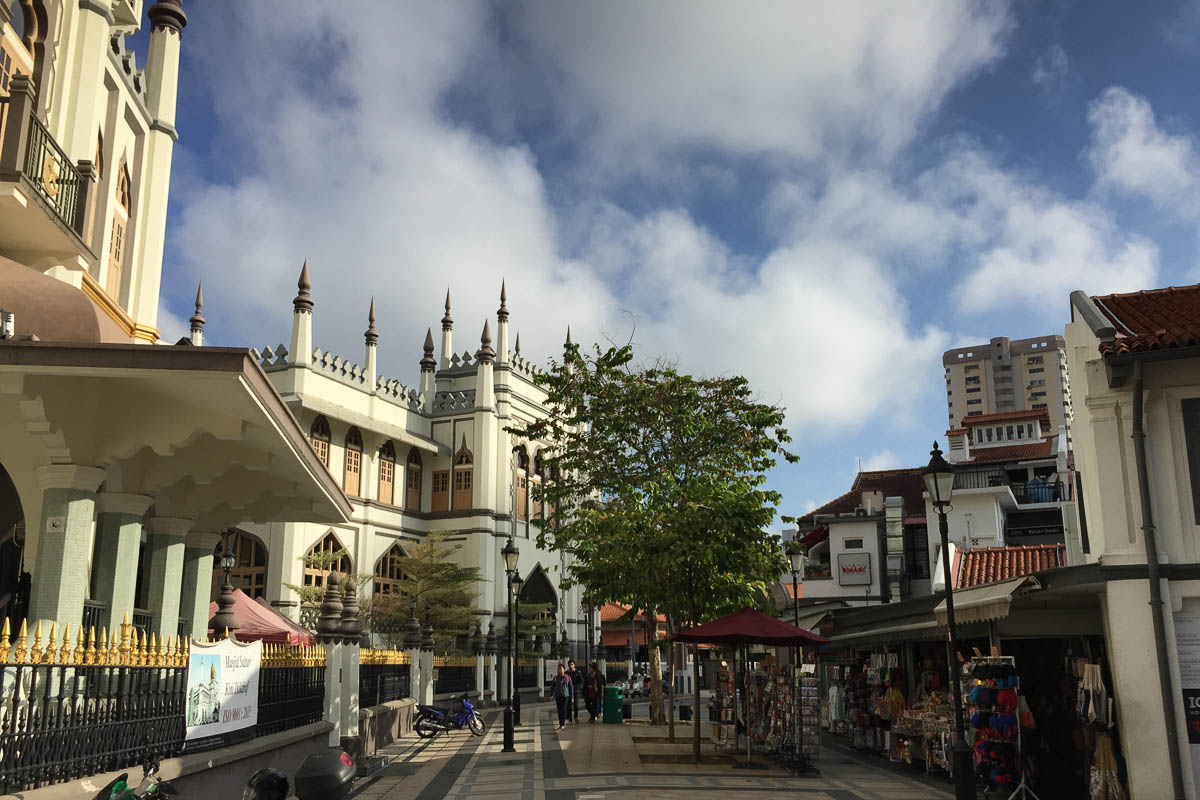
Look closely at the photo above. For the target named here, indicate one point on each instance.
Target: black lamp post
(510, 554)
(224, 620)
(797, 558)
(939, 482)
(516, 584)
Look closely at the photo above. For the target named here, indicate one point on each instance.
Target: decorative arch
(521, 481)
(412, 480)
(387, 473)
(352, 470)
(463, 477)
(250, 570)
(329, 543)
(538, 588)
(320, 437)
(388, 572)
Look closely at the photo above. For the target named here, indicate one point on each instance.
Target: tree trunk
(671, 629)
(696, 702)
(656, 693)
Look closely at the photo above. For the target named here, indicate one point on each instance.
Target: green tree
(659, 491)
(431, 577)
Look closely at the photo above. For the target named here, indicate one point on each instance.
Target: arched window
(462, 477)
(116, 239)
(522, 480)
(536, 486)
(16, 56)
(352, 475)
(412, 481)
(387, 473)
(314, 574)
(388, 572)
(250, 571)
(320, 436)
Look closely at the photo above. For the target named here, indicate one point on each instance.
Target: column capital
(169, 526)
(70, 476)
(135, 505)
(207, 541)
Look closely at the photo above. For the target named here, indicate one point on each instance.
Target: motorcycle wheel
(476, 725)
(425, 729)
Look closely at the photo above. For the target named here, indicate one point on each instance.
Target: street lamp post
(224, 620)
(939, 482)
(509, 554)
(797, 559)
(517, 582)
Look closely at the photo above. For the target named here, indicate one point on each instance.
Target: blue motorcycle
(432, 720)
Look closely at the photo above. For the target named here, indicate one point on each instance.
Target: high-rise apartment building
(1009, 375)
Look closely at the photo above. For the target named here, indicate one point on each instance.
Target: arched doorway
(537, 592)
(250, 572)
(14, 580)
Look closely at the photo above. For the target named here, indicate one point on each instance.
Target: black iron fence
(76, 706)
(67, 713)
(454, 676)
(383, 676)
(526, 676)
(616, 672)
(291, 688)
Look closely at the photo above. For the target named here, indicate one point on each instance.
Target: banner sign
(222, 688)
(1187, 647)
(854, 569)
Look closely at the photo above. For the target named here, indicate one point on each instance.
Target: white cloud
(171, 326)
(791, 79)
(1131, 154)
(884, 459)
(1051, 68)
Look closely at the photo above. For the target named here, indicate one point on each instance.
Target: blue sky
(822, 197)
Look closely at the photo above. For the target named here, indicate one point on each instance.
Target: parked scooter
(152, 787)
(432, 720)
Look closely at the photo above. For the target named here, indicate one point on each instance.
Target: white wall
(841, 529)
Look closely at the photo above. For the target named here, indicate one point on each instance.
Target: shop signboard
(222, 687)
(1187, 644)
(854, 569)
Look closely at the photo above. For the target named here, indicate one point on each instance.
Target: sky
(822, 197)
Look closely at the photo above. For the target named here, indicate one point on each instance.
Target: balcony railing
(1025, 492)
(29, 152)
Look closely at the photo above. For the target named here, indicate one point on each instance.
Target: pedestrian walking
(576, 684)
(563, 692)
(593, 688)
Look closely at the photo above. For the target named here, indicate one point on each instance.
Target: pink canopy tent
(260, 622)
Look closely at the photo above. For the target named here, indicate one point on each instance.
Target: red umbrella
(749, 627)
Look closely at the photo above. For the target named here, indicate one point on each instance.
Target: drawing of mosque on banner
(204, 699)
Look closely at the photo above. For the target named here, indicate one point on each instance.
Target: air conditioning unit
(860, 512)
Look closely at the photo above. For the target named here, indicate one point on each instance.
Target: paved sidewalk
(607, 762)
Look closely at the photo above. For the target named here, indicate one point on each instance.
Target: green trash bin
(614, 699)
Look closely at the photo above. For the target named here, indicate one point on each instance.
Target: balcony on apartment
(43, 194)
(1026, 486)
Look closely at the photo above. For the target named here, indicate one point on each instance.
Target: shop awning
(749, 627)
(987, 602)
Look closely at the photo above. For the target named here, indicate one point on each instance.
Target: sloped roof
(1154, 319)
(982, 565)
(611, 612)
(905, 483)
(1012, 452)
(1004, 416)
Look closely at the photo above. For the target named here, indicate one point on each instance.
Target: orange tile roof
(799, 593)
(1005, 415)
(613, 611)
(1154, 319)
(1012, 452)
(990, 564)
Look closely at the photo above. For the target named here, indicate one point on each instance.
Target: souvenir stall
(773, 709)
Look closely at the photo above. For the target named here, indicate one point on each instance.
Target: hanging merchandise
(724, 709)
(1104, 784)
(993, 709)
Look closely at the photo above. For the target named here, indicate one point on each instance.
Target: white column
(426, 695)
(349, 709)
(197, 581)
(541, 677)
(333, 691)
(414, 675)
(118, 537)
(479, 676)
(63, 543)
(166, 551)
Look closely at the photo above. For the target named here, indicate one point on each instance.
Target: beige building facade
(1008, 375)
